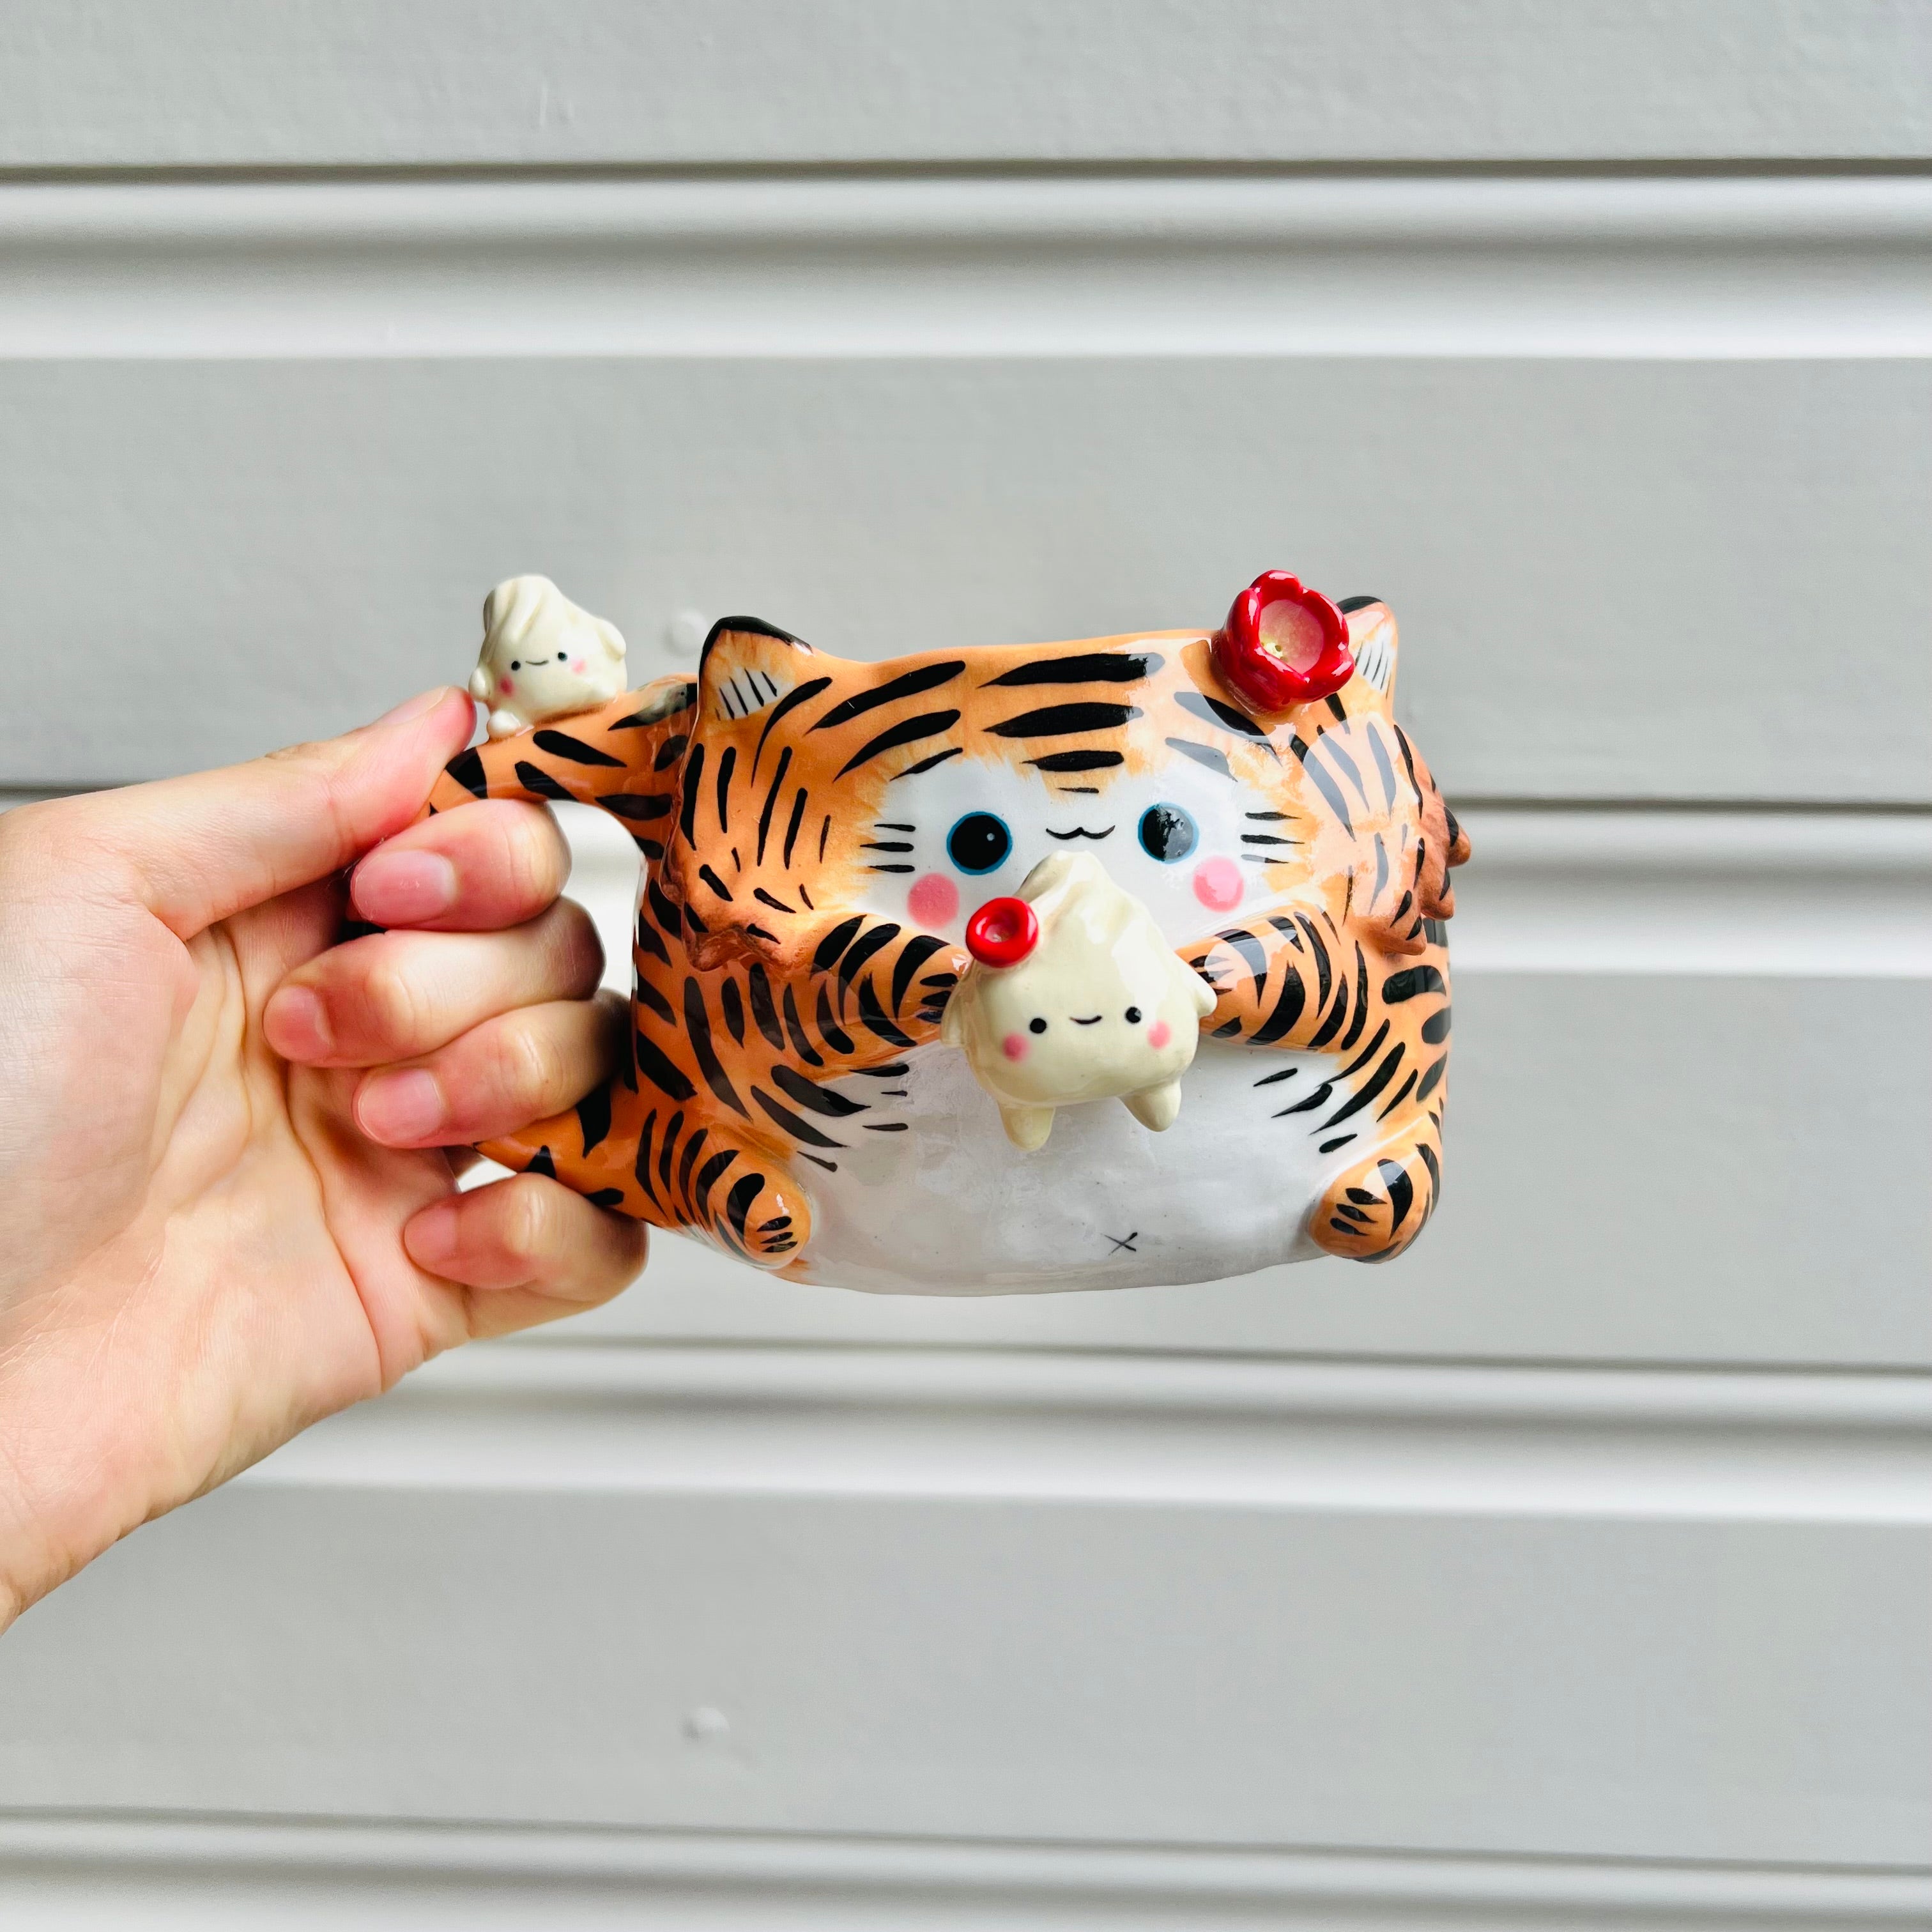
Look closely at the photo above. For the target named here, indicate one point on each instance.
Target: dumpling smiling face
(542, 658)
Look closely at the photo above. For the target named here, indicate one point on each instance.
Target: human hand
(225, 1208)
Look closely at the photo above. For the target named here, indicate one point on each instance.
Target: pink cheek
(1014, 1046)
(1158, 1034)
(1217, 884)
(506, 685)
(934, 900)
(576, 666)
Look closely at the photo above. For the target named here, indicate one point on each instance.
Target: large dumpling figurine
(1074, 995)
(542, 657)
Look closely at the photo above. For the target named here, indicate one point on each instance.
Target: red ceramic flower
(1002, 932)
(1283, 645)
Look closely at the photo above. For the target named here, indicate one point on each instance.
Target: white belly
(930, 1197)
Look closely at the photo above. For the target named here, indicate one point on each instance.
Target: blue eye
(1168, 833)
(978, 842)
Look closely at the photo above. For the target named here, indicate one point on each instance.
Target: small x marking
(1126, 1241)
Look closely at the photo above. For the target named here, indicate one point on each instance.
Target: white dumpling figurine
(542, 657)
(1075, 995)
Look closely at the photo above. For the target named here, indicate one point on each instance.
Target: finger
(519, 1067)
(396, 995)
(195, 850)
(479, 868)
(533, 1250)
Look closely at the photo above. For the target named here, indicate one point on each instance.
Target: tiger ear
(1372, 642)
(748, 666)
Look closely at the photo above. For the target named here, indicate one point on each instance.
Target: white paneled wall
(1573, 1571)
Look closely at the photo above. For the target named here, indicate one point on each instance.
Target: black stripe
(1201, 754)
(830, 1031)
(863, 950)
(643, 1169)
(1313, 1100)
(738, 1203)
(667, 915)
(692, 1148)
(1435, 1028)
(1377, 1080)
(693, 770)
(1077, 761)
(669, 752)
(562, 745)
(818, 1099)
(1411, 981)
(541, 1163)
(467, 768)
(655, 1000)
(798, 695)
(733, 1005)
(660, 1071)
(799, 1129)
(762, 1011)
(1348, 604)
(908, 731)
(1339, 712)
(1324, 783)
(926, 764)
(909, 686)
(673, 1127)
(1400, 1094)
(708, 1177)
(1287, 1006)
(764, 898)
(1212, 711)
(801, 1043)
(876, 1017)
(1382, 764)
(835, 942)
(1322, 969)
(716, 884)
(1085, 668)
(1250, 949)
(1329, 1147)
(1367, 1053)
(535, 779)
(771, 799)
(1356, 1024)
(648, 938)
(917, 952)
(1430, 1079)
(791, 830)
(697, 1026)
(1409, 762)
(640, 808)
(658, 710)
(649, 847)
(1401, 1190)
(727, 763)
(1429, 1161)
(593, 1115)
(1061, 721)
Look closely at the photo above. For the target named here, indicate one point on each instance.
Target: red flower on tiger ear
(1283, 645)
(1003, 932)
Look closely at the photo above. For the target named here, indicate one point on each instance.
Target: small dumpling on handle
(543, 657)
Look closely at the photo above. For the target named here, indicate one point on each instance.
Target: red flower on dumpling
(1283, 645)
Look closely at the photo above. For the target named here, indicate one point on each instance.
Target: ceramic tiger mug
(1025, 967)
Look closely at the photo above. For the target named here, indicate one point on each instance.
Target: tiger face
(815, 834)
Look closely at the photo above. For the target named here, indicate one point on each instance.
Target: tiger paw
(1372, 1211)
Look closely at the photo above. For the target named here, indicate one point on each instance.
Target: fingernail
(399, 1108)
(430, 1238)
(423, 701)
(403, 888)
(297, 1025)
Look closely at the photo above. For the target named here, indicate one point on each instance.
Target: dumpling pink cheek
(1014, 1046)
(1158, 1034)
(1217, 884)
(934, 900)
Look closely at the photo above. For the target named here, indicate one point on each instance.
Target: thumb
(201, 847)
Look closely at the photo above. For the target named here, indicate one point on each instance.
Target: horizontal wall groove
(806, 1870)
(968, 1425)
(975, 265)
